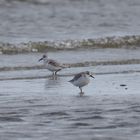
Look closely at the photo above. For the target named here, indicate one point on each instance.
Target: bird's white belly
(52, 68)
(81, 81)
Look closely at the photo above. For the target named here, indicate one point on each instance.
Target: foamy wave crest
(107, 42)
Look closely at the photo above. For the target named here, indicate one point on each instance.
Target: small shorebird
(81, 79)
(52, 65)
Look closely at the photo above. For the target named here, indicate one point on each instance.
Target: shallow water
(36, 106)
(67, 19)
(75, 58)
(52, 108)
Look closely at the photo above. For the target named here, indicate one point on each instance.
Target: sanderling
(81, 79)
(52, 65)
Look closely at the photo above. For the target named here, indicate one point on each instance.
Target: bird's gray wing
(76, 77)
(54, 63)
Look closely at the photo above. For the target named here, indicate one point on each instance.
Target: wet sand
(48, 109)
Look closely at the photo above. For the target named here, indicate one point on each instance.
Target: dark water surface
(40, 109)
(37, 20)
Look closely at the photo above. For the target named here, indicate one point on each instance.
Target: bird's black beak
(92, 76)
(40, 59)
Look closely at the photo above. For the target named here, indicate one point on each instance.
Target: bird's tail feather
(65, 66)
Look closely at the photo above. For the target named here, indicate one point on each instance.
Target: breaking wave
(107, 42)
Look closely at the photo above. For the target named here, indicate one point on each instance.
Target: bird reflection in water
(53, 81)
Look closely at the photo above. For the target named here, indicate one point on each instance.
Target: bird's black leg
(80, 89)
(81, 92)
(56, 72)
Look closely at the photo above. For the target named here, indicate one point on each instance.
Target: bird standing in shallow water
(81, 79)
(52, 65)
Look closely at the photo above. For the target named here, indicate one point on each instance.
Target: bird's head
(90, 74)
(43, 57)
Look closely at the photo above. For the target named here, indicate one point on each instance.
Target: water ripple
(11, 119)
